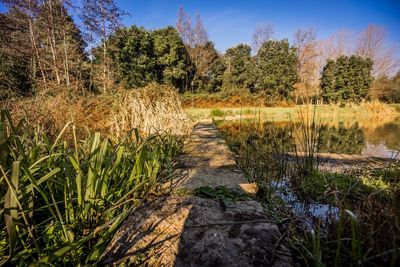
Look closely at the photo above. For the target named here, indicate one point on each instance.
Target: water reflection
(377, 140)
(354, 138)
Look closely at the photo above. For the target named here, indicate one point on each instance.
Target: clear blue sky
(231, 22)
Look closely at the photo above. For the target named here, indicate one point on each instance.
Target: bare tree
(262, 33)
(372, 44)
(200, 36)
(307, 66)
(101, 18)
(30, 8)
(184, 26)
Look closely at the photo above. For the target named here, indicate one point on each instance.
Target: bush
(216, 112)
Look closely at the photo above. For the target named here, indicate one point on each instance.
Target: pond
(376, 137)
(257, 144)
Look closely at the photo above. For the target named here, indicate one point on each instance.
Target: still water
(376, 137)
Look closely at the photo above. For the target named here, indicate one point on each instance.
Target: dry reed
(150, 109)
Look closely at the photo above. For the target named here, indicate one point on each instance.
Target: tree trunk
(52, 42)
(66, 66)
(34, 46)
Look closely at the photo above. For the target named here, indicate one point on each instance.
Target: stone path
(187, 230)
(210, 162)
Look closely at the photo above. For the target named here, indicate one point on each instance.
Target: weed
(220, 193)
(217, 113)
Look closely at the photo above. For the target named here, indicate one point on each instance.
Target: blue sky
(231, 22)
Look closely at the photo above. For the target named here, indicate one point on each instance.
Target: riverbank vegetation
(336, 215)
(373, 110)
(63, 199)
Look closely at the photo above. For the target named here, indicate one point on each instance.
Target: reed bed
(150, 109)
(62, 199)
(366, 229)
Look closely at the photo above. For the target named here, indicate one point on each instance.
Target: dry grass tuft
(150, 109)
(377, 107)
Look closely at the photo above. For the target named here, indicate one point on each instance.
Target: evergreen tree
(172, 59)
(139, 57)
(239, 67)
(346, 79)
(135, 56)
(276, 69)
(328, 82)
(15, 55)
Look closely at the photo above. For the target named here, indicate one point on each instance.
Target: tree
(307, 66)
(263, 32)
(371, 44)
(327, 85)
(202, 54)
(15, 55)
(133, 56)
(184, 27)
(172, 59)
(200, 36)
(239, 67)
(276, 69)
(60, 44)
(139, 57)
(56, 51)
(101, 18)
(386, 89)
(29, 10)
(346, 79)
(206, 59)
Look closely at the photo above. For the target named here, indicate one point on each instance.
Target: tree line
(44, 50)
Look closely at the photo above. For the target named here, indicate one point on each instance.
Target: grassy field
(288, 113)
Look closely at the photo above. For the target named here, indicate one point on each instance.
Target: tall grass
(150, 109)
(61, 202)
(366, 230)
(307, 133)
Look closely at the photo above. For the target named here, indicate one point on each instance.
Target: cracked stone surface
(193, 231)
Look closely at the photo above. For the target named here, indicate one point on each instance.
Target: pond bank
(211, 218)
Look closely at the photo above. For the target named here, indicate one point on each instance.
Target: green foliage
(134, 56)
(220, 193)
(141, 57)
(172, 59)
(63, 202)
(276, 70)
(239, 67)
(346, 79)
(216, 112)
(15, 68)
(209, 68)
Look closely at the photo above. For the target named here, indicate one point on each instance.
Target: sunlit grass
(61, 202)
(289, 113)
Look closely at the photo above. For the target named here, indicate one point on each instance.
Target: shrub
(216, 112)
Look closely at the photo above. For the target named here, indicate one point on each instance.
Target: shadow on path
(185, 230)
